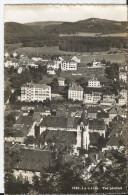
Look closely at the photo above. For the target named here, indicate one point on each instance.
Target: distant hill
(92, 25)
(43, 24)
(41, 34)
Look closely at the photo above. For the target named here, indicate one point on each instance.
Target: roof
(93, 79)
(117, 110)
(31, 85)
(95, 109)
(27, 120)
(61, 79)
(102, 115)
(62, 136)
(114, 141)
(41, 109)
(22, 132)
(59, 122)
(96, 124)
(75, 87)
(33, 160)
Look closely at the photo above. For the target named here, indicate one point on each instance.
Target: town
(60, 104)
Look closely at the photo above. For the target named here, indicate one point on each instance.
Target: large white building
(75, 92)
(68, 65)
(93, 82)
(93, 97)
(35, 92)
(123, 76)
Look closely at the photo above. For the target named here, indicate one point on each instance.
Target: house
(123, 76)
(11, 63)
(92, 111)
(36, 59)
(93, 82)
(122, 100)
(24, 56)
(7, 55)
(103, 115)
(96, 63)
(51, 71)
(116, 110)
(98, 126)
(53, 64)
(115, 142)
(61, 81)
(15, 54)
(75, 92)
(108, 100)
(68, 65)
(76, 59)
(93, 97)
(20, 69)
(123, 92)
(42, 110)
(35, 92)
(31, 163)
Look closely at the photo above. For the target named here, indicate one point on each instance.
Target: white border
(2, 3)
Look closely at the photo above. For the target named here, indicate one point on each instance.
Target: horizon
(65, 13)
(64, 21)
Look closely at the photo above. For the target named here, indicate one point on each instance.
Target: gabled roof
(33, 160)
(27, 120)
(96, 124)
(117, 110)
(95, 109)
(75, 87)
(41, 109)
(102, 115)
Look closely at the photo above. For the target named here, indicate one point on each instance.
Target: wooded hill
(47, 34)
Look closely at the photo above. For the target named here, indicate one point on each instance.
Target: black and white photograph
(65, 99)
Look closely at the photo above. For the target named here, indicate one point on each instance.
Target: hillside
(41, 34)
(92, 25)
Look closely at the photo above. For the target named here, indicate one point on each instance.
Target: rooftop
(95, 109)
(96, 124)
(32, 85)
(75, 87)
(33, 160)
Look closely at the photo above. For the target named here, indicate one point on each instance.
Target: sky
(72, 13)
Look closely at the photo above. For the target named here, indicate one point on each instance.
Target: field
(82, 34)
(86, 57)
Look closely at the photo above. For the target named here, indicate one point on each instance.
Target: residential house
(76, 59)
(108, 100)
(7, 55)
(103, 115)
(96, 63)
(116, 110)
(35, 92)
(15, 54)
(51, 71)
(36, 59)
(42, 110)
(61, 81)
(93, 110)
(93, 97)
(68, 65)
(93, 82)
(75, 92)
(20, 69)
(31, 163)
(123, 76)
(122, 100)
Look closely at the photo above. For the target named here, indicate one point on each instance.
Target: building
(93, 97)
(75, 92)
(53, 64)
(123, 92)
(92, 111)
(123, 76)
(96, 63)
(122, 100)
(31, 164)
(116, 110)
(68, 65)
(108, 100)
(15, 54)
(35, 92)
(20, 69)
(93, 82)
(61, 81)
(51, 71)
(11, 63)
(7, 55)
(76, 59)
